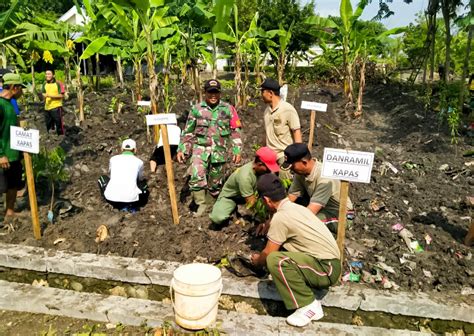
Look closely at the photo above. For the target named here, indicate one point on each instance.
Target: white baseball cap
(129, 144)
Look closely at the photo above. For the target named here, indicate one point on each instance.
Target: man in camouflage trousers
(211, 126)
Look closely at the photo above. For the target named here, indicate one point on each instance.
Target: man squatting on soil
(241, 186)
(311, 258)
(210, 127)
(308, 188)
(10, 159)
(53, 94)
(126, 188)
(282, 123)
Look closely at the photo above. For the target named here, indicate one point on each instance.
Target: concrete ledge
(115, 309)
(158, 272)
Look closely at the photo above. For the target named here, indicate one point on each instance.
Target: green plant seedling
(256, 147)
(50, 165)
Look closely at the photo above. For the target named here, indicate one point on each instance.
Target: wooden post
(341, 226)
(311, 129)
(31, 190)
(170, 173)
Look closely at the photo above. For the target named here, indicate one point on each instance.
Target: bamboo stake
(311, 129)
(31, 191)
(341, 226)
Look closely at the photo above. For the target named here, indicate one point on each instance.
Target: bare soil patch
(427, 200)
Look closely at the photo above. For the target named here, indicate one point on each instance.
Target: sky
(404, 13)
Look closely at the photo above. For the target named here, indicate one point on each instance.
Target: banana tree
(280, 51)
(16, 30)
(364, 46)
(239, 39)
(127, 42)
(344, 36)
(96, 29)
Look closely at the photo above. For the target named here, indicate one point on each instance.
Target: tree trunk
(425, 70)
(214, 56)
(347, 73)
(238, 77)
(67, 73)
(433, 49)
(138, 82)
(349, 82)
(447, 25)
(281, 68)
(120, 71)
(33, 82)
(97, 72)
(184, 72)
(3, 57)
(358, 112)
(80, 94)
(90, 76)
(257, 71)
(245, 83)
(465, 68)
(196, 83)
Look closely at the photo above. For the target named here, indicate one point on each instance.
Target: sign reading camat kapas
(347, 165)
(26, 140)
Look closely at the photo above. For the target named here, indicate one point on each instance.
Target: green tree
(53, 8)
(285, 14)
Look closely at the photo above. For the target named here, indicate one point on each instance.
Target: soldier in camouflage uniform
(210, 128)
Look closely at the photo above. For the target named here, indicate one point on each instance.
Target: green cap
(12, 79)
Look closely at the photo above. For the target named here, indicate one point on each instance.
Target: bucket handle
(187, 318)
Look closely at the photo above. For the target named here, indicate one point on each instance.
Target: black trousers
(54, 120)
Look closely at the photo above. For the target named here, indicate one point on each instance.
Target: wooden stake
(311, 129)
(341, 226)
(170, 173)
(31, 190)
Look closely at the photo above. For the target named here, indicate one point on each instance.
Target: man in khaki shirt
(282, 124)
(321, 195)
(311, 259)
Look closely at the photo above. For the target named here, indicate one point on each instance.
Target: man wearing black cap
(282, 124)
(311, 258)
(320, 194)
(211, 126)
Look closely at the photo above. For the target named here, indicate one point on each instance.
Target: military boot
(200, 199)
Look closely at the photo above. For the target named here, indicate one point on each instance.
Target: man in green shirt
(240, 187)
(10, 160)
(300, 254)
(319, 194)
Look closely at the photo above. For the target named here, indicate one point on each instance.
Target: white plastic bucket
(197, 288)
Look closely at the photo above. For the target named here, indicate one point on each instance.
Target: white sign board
(347, 165)
(314, 106)
(161, 119)
(24, 140)
(144, 103)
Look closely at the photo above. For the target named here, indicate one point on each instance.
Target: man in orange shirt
(53, 94)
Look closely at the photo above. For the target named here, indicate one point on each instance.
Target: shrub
(40, 77)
